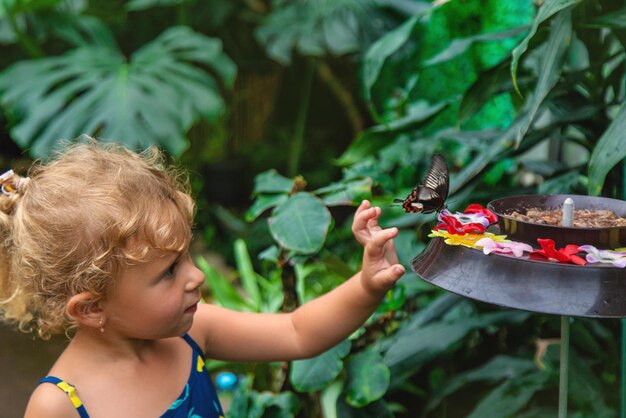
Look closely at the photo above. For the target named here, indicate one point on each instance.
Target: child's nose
(196, 278)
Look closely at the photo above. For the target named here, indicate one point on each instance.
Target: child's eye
(170, 271)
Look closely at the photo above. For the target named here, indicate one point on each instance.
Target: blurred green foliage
(287, 110)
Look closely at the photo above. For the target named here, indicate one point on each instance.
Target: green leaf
(247, 274)
(419, 344)
(610, 150)
(417, 113)
(368, 378)
(376, 409)
(461, 45)
(318, 372)
(562, 184)
(241, 398)
(484, 88)
(83, 31)
(509, 397)
(267, 404)
(15, 7)
(135, 5)
(345, 192)
(380, 51)
(372, 140)
(547, 10)
(614, 20)
(328, 399)
(271, 182)
(552, 57)
(487, 152)
(224, 294)
(262, 203)
(300, 224)
(315, 28)
(366, 144)
(394, 299)
(151, 100)
(498, 368)
(586, 389)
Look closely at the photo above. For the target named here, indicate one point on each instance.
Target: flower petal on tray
(467, 240)
(475, 208)
(617, 258)
(503, 247)
(453, 225)
(566, 254)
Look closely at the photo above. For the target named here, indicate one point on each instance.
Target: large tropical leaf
(509, 397)
(368, 378)
(550, 65)
(408, 352)
(300, 224)
(153, 98)
(496, 369)
(380, 51)
(546, 11)
(461, 45)
(610, 150)
(317, 28)
(317, 372)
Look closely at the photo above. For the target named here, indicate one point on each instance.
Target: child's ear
(85, 309)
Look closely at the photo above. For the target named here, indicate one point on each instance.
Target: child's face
(156, 298)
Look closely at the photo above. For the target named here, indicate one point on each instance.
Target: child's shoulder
(49, 401)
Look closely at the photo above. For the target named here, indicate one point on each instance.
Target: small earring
(101, 323)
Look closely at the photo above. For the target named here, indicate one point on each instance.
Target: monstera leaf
(333, 27)
(152, 98)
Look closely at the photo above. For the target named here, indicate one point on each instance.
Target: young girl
(96, 243)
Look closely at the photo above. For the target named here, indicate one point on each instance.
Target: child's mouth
(192, 309)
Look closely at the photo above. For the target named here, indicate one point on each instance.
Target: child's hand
(380, 262)
(365, 224)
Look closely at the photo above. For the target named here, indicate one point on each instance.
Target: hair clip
(6, 182)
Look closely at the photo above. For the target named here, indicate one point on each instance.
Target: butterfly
(430, 196)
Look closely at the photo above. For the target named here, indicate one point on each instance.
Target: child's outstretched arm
(329, 319)
(317, 325)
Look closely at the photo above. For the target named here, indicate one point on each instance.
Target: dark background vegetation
(286, 110)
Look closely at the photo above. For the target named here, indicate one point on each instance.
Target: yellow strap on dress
(71, 392)
(200, 365)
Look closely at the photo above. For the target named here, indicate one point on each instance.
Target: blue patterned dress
(198, 399)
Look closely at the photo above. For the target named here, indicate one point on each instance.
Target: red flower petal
(476, 208)
(562, 255)
(453, 226)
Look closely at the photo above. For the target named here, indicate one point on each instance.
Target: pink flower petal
(504, 247)
(488, 244)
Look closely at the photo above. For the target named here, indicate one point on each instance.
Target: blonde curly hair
(73, 222)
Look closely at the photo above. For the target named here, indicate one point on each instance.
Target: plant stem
(288, 277)
(564, 367)
(303, 110)
(622, 385)
(343, 95)
(183, 18)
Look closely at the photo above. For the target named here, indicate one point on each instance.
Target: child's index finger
(366, 213)
(380, 238)
(365, 204)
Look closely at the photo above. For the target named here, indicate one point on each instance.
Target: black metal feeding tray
(592, 290)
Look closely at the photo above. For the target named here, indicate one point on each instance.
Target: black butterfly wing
(430, 196)
(428, 199)
(437, 177)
